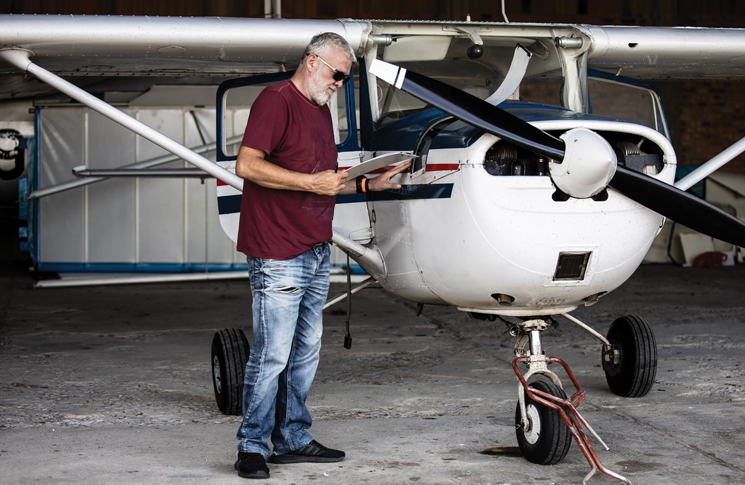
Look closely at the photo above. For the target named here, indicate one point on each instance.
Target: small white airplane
(540, 175)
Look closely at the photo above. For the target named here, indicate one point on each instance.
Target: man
(288, 159)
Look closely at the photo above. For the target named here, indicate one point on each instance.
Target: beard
(319, 90)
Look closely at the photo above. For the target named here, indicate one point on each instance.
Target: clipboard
(378, 162)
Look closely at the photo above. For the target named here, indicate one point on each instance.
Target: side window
(236, 96)
(395, 104)
(625, 102)
(238, 103)
(338, 108)
(344, 112)
(540, 90)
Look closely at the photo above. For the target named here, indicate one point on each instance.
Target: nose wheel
(545, 419)
(543, 438)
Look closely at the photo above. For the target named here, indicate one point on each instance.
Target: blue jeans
(288, 299)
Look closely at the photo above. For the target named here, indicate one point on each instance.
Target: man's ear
(311, 62)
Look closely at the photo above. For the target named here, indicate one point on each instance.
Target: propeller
(660, 197)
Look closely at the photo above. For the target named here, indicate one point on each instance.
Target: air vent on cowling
(571, 266)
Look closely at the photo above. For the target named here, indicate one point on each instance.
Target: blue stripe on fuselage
(230, 204)
(411, 192)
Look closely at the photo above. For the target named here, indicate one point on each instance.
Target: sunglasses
(338, 75)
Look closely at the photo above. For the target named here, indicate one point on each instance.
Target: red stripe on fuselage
(442, 167)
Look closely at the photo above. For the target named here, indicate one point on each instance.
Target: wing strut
(20, 59)
(711, 166)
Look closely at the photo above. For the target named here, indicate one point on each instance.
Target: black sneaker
(251, 465)
(313, 452)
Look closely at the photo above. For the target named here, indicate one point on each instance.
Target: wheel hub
(216, 374)
(612, 358)
(532, 430)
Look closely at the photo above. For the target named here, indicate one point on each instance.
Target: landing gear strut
(543, 405)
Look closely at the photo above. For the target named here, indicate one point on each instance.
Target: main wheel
(229, 356)
(546, 439)
(631, 366)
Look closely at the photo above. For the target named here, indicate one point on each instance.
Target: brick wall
(705, 118)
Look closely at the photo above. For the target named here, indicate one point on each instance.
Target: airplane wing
(675, 53)
(87, 48)
(82, 45)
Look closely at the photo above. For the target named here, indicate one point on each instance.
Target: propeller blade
(679, 206)
(471, 109)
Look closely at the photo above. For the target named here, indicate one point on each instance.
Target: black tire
(229, 356)
(635, 374)
(547, 439)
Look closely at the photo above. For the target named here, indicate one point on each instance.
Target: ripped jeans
(288, 299)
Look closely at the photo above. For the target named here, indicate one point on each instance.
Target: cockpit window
(539, 90)
(471, 77)
(447, 60)
(396, 104)
(626, 102)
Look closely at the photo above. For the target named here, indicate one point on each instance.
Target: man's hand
(252, 165)
(327, 182)
(382, 182)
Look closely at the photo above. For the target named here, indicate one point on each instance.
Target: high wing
(675, 53)
(88, 48)
(186, 46)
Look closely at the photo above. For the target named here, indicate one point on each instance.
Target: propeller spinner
(582, 162)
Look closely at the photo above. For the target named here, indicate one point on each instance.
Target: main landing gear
(229, 356)
(545, 419)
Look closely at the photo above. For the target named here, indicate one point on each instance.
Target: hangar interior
(429, 395)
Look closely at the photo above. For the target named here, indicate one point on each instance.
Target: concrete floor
(113, 385)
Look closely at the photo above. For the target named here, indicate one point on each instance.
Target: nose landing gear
(543, 405)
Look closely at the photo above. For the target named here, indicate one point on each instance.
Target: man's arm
(252, 165)
(381, 182)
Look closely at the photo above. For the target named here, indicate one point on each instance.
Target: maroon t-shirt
(297, 135)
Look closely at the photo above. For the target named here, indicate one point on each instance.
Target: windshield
(446, 59)
(395, 104)
(471, 77)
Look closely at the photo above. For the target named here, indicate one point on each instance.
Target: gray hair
(321, 45)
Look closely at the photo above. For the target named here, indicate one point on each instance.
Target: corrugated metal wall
(127, 224)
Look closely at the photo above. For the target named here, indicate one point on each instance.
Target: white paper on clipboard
(378, 162)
